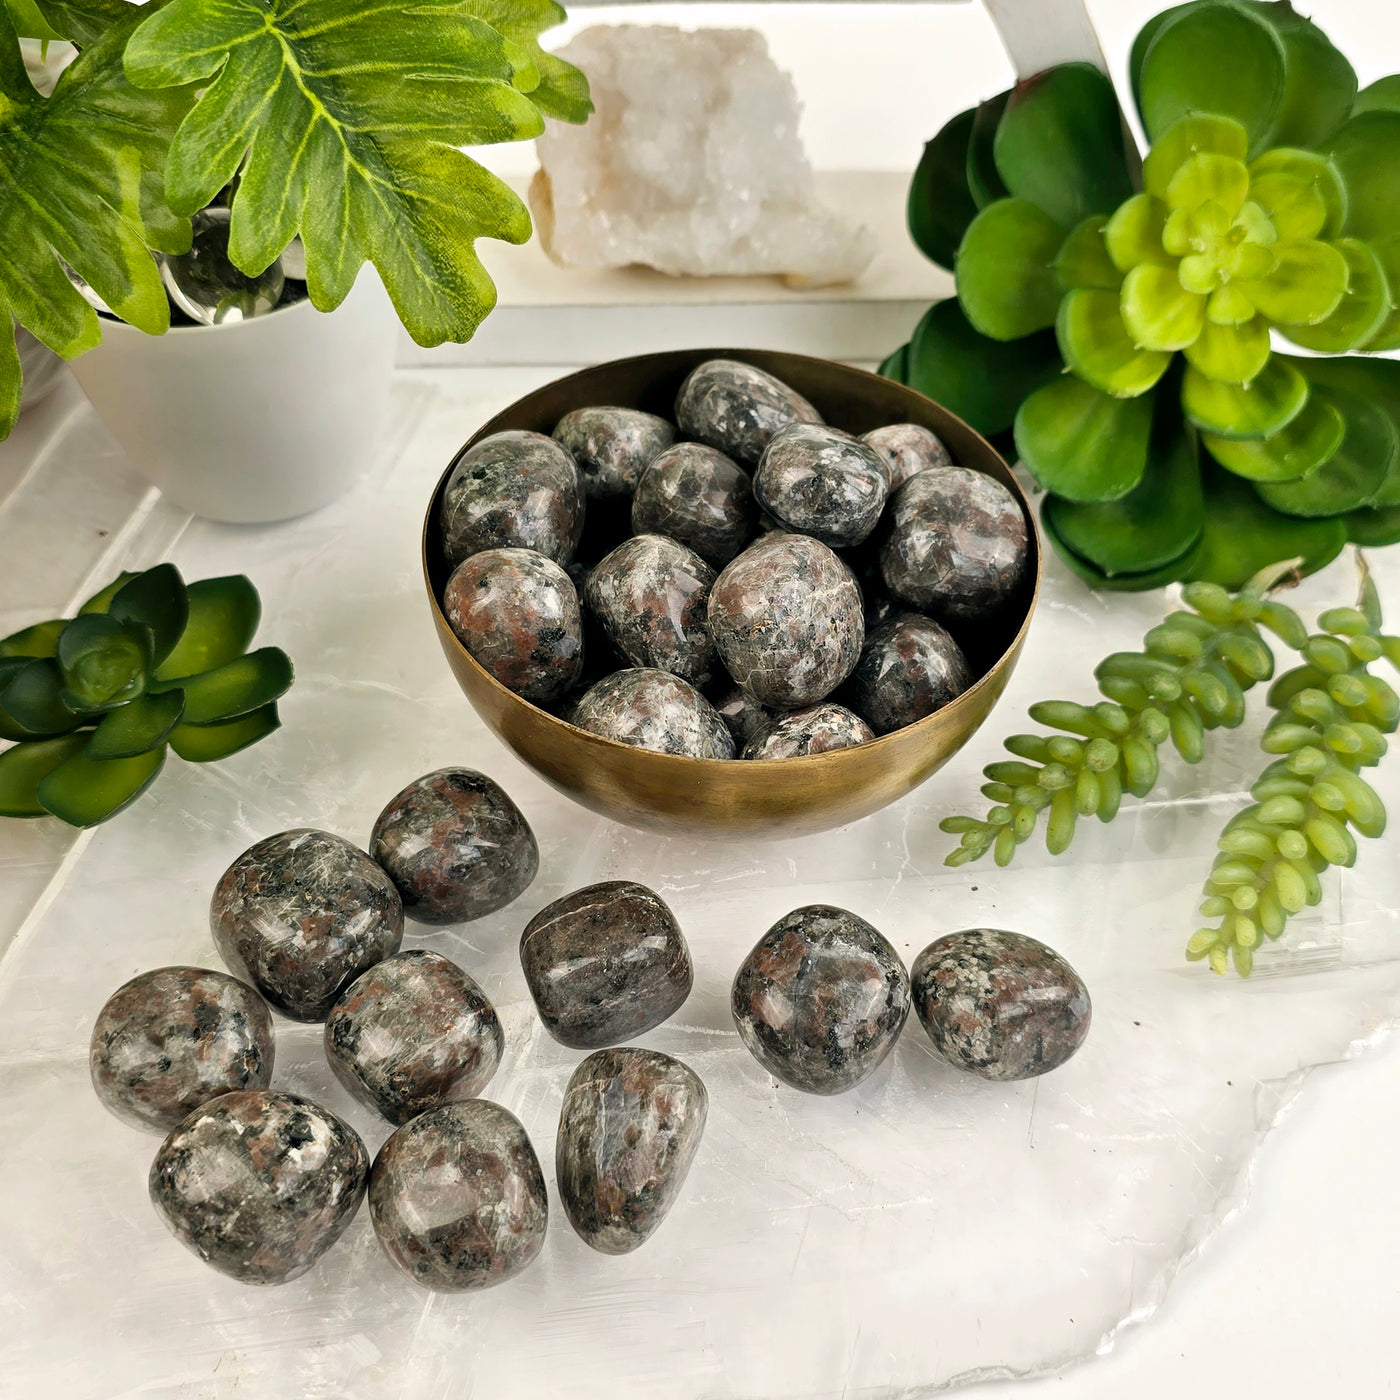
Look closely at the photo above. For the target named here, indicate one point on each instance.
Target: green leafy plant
(339, 122)
(93, 703)
(1119, 322)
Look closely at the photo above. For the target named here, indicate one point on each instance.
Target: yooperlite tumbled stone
(628, 1131)
(906, 450)
(820, 729)
(698, 496)
(742, 713)
(605, 963)
(301, 915)
(821, 482)
(457, 1197)
(651, 595)
(612, 447)
(736, 408)
(412, 1033)
(1000, 1004)
(170, 1040)
(518, 614)
(788, 620)
(455, 846)
(652, 709)
(514, 489)
(821, 999)
(957, 547)
(909, 668)
(259, 1184)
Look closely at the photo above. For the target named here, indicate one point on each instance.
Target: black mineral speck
(819, 729)
(514, 489)
(651, 595)
(612, 446)
(259, 1184)
(628, 1131)
(907, 449)
(821, 482)
(736, 408)
(653, 709)
(1000, 1004)
(170, 1040)
(455, 846)
(909, 668)
(518, 614)
(821, 999)
(698, 496)
(300, 915)
(457, 1197)
(605, 963)
(957, 546)
(412, 1033)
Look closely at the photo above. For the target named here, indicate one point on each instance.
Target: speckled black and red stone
(170, 1040)
(612, 447)
(910, 667)
(698, 496)
(651, 595)
(821, 482)
(514, 489)
(518, 614)
(412, 1033)
(457, 1197)
(605, 963)
(742, 713)
(957, 545)
(259, 1184)
(735, 408)
(906, 450)
(629, 1129)
(300, 915)
(456, 847)
(653, 709)
(1000, 1004)
(820, 729)
(821, 999)
(788, 620)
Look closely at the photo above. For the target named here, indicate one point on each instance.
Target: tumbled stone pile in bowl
(747, 581)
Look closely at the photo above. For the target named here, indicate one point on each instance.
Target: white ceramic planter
(251, 421)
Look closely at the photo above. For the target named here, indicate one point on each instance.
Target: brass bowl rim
(686, 761)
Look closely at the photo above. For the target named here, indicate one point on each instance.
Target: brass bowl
(727, 798)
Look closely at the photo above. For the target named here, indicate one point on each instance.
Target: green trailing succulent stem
(1116, 323)
(1331, 721)
(92, 704)
(1189, 678)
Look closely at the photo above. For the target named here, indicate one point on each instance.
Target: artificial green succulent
(92, 704)
(1123, 323)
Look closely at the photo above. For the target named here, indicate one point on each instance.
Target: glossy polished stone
(820, 729)
(821, 999)
(821, 482)
(736, 408)
(742, 713)
(457, 1197)
(517, 490)
(259, 1184)
(909, 668)
(170, 1040)
(455, 846)
(612, 447)
(698, 496)
(957, 546)
(412, 1033)
(518, 614)
(653, 709)
(651, 595)
(906, 450)
(300, 915)
(605, 963)
(788, 620)
(1000, 1004)
(628, 1131)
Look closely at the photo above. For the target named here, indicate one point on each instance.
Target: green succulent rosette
(1123, 320)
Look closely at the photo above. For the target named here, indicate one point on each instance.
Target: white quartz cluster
(691, 164)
